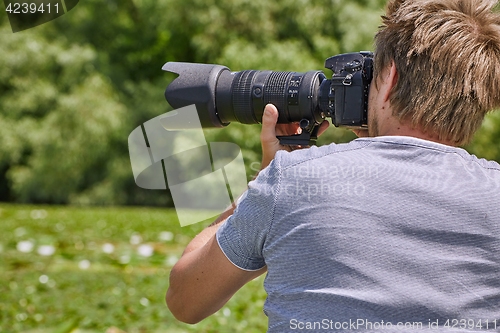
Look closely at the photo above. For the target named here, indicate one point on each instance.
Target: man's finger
(323, 127)
(269, 120)
(361, 133)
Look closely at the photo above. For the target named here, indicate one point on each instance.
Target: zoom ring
(275, 92)
(242, 97)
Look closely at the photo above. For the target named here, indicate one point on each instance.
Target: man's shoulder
(445, 151)
(382, 149)
(300, 156)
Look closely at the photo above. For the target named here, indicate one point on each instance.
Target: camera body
(222, 96)
(349, 88)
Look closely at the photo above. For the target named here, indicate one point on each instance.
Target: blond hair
(447, 54)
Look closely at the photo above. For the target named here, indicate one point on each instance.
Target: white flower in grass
(43, 279)
(108, 248)
(166, 236)
(135, 239)
(84, 264)
(25, 246)
(145, 250)
(46, 250)
(144, 301)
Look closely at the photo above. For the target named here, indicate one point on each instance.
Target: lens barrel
(242, 96)
(222, 96)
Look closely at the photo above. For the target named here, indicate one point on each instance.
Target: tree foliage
(486, 143)
(73, 89)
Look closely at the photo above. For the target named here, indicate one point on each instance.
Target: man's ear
(390, 79)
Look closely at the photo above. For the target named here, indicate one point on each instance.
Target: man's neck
(393, 127)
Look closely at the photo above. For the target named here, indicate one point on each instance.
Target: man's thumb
(269, 120)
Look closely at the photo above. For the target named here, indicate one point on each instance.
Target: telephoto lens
(222, 96)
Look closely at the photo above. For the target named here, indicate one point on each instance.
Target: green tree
(73, 89)
(60, 118)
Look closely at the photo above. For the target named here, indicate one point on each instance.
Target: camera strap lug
(348, 80)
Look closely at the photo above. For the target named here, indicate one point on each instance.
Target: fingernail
(267, 110)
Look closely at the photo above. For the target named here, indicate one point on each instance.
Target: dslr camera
(222, 96)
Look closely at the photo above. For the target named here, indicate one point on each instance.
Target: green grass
(109, 269)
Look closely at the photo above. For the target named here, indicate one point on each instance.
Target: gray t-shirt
(380, 234)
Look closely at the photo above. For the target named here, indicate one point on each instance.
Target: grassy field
(67, 269)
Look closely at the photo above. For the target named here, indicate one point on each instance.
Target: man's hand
(270, 129)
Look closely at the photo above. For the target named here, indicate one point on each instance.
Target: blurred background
(82, 248)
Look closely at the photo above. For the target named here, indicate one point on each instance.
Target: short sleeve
(242, 236)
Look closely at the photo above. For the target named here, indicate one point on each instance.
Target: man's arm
(204, 279)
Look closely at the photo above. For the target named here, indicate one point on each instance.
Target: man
(399, 230)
